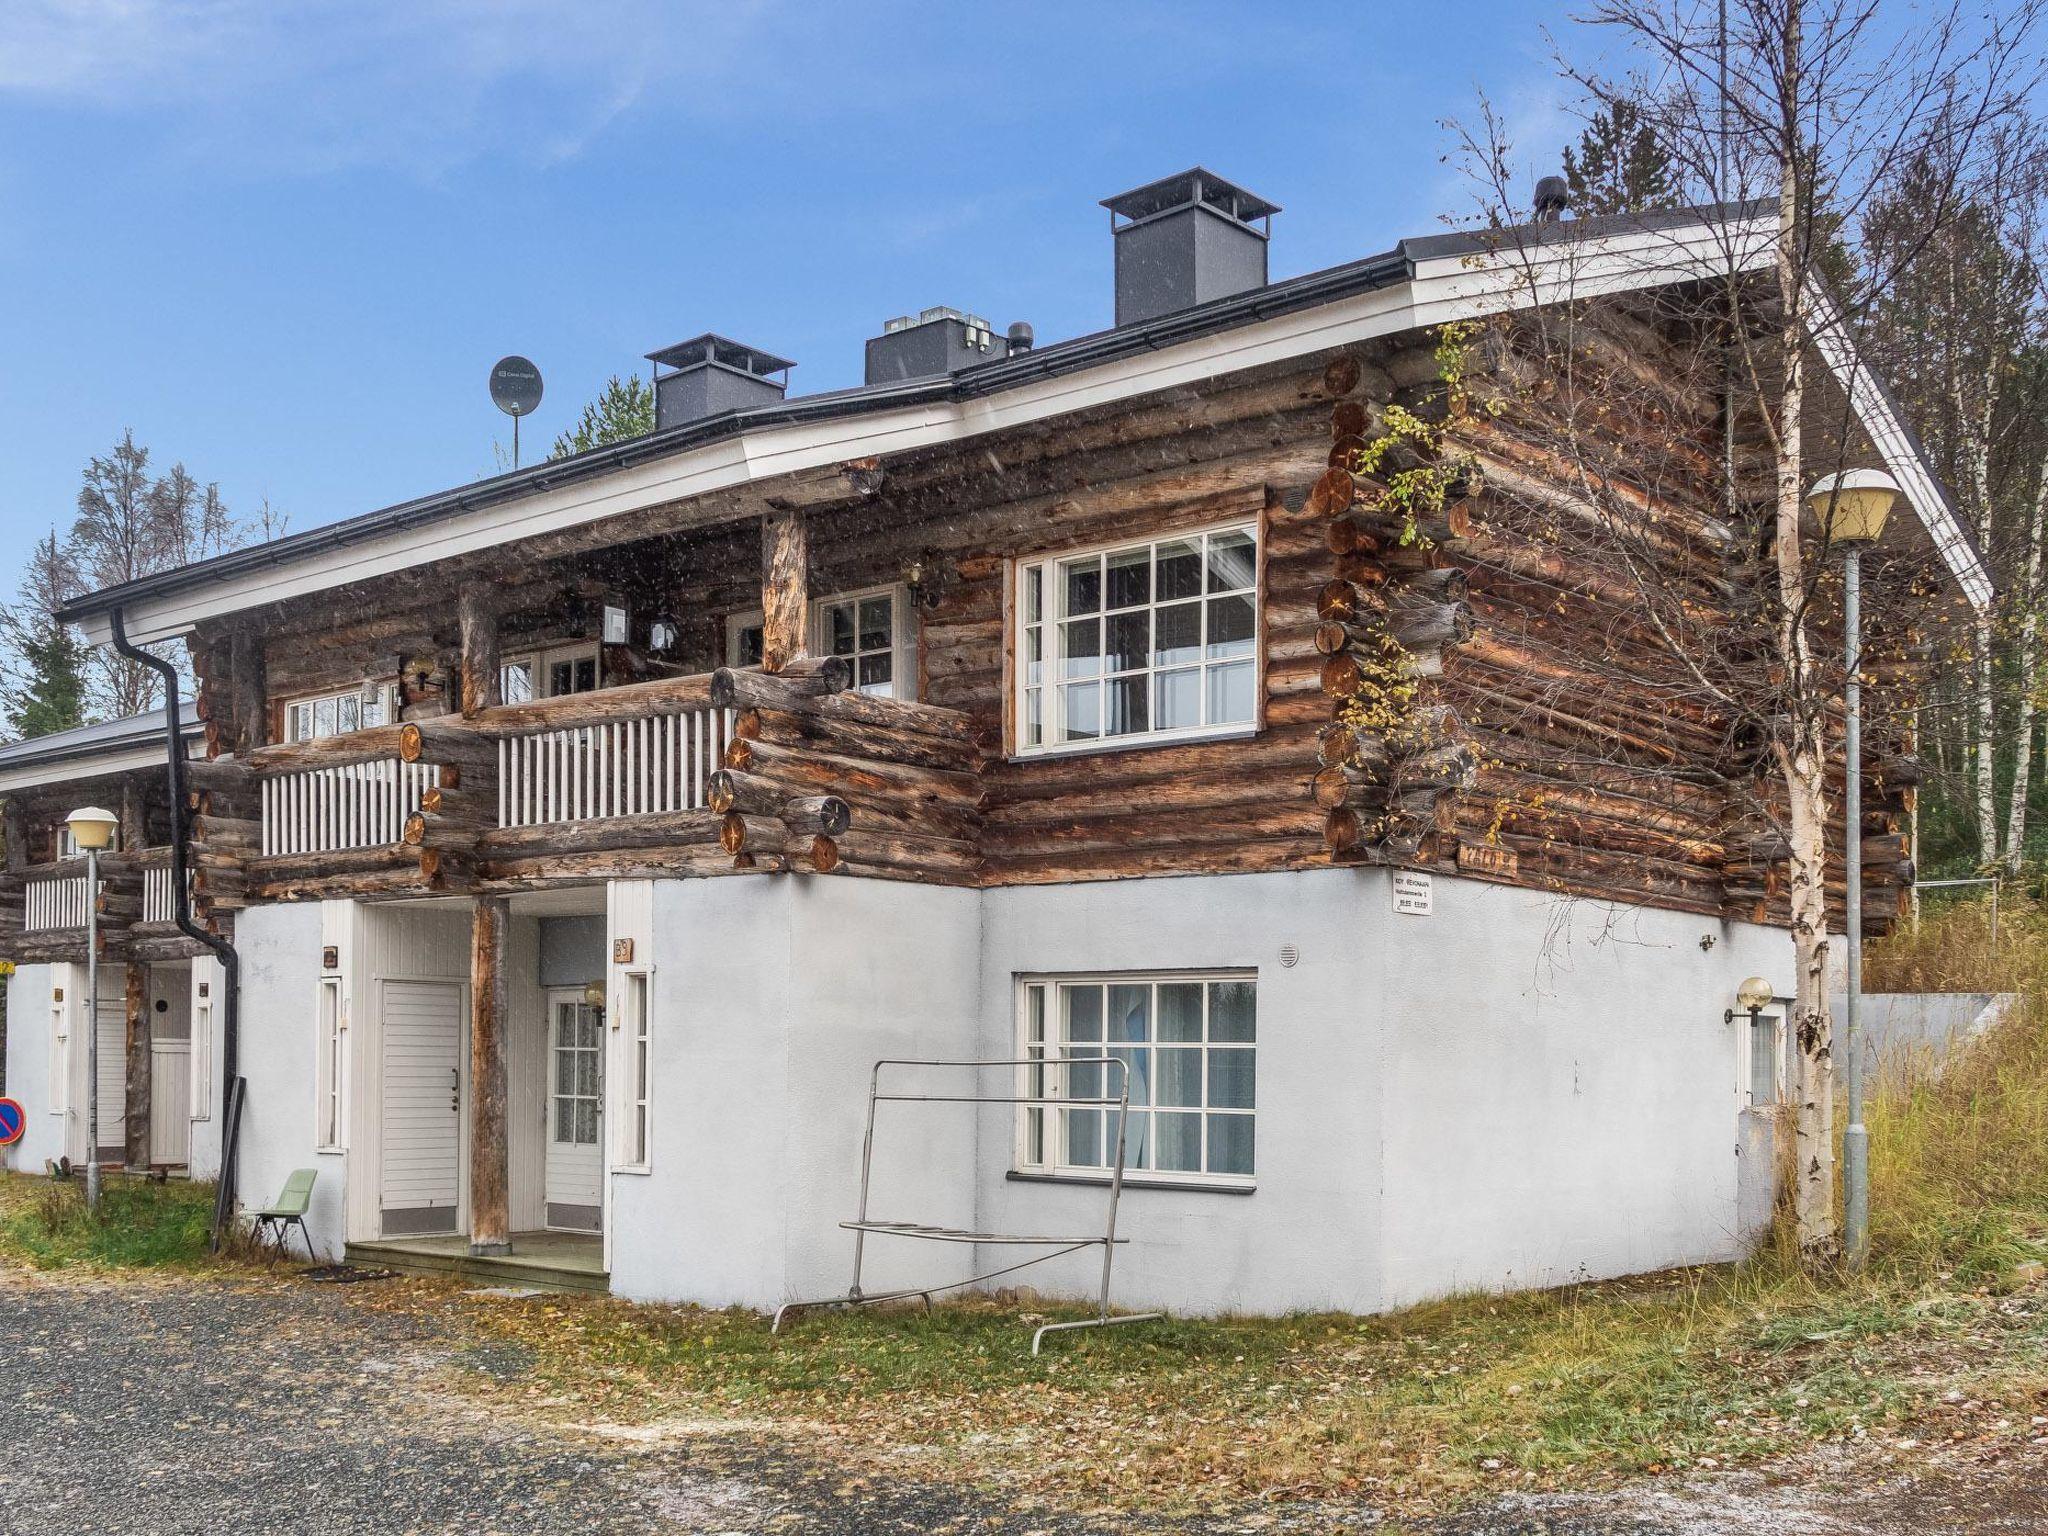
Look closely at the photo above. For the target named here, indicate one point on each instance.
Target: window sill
(330, 1151)
(1134, 1181)
(637, 1170)
(1136, 743)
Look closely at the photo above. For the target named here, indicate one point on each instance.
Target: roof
(1419, 282)
(111, 746)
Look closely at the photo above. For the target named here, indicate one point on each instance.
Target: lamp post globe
(1852, 506)
(92, 830)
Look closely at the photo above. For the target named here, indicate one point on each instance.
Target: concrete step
(512, 1269)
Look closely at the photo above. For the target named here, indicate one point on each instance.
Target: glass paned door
(575, 1169)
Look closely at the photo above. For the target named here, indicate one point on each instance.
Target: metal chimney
(1553, 196)
(710, 375)
(1185, 240)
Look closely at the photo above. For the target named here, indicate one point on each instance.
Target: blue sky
(284, 243)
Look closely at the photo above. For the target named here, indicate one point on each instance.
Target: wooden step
(512, 1270)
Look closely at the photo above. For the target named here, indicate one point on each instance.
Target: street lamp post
(92, 829)
(1852, 507)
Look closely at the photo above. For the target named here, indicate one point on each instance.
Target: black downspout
(232, 1088)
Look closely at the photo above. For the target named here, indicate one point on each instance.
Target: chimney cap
(1189, 187)
(1553, 196)
(713, 348)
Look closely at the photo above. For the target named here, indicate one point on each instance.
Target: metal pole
(1855, 1140)
(515, 442)
(92, 1029)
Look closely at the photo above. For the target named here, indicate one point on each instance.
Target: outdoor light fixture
(593, 994)
(92, 829)
(618, 624)
(663, 634)
(1853, 505)
(1753, 996)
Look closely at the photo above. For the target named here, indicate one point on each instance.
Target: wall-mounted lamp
(420, 669)
(664, 634)
(593, 994)
(1753, 996)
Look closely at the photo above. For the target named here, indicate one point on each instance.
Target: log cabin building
(586, 834)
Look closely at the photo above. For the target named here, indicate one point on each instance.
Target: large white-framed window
(1189, 1044)
(60, 1058)
(550, 673)
(337, 713)
(1760, 1052)
(331, 1070)
(1148, 641)
(871, 628)
(634, 1152)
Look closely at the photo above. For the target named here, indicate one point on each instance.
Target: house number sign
(1414, 894)
(622, 951)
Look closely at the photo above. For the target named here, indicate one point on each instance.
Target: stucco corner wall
(279, 947)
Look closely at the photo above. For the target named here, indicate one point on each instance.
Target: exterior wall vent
(930, 342)
(1186, 240)
(709, 375)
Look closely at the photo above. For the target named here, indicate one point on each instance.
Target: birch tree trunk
(1978, 426)
(2029, 638)
(1802, 745)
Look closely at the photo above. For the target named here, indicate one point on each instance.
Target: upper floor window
(871, 629)
(548, 674)
(335, 714)
(1154, 640)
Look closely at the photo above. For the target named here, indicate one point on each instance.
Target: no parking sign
(12, 1122)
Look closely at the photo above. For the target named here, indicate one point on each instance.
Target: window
(871, 629)
(330, 1070)
(1188, 1044)
(549, 674)
(1763, 1048)
(636, 1027)
(1157, 640)
(579, 1049)
(67, 846)
(60, 1058)
(202, 1061)
(336, 714)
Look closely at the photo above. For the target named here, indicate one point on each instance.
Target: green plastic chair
(276, 1222)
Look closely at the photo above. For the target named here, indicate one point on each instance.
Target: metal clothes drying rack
(1058, 1246)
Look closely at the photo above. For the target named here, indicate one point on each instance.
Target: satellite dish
(515, 386)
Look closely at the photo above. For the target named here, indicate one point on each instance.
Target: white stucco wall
(280, 954)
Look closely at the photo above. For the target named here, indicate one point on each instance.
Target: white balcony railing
(55, 901)
(352, 805)
(634, 767)
(156, 893)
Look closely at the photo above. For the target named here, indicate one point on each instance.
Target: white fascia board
(1877, 415)
(63, 770)
(1443, 288)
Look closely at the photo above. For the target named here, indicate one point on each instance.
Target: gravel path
(186, 1405)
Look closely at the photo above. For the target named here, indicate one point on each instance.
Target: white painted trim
(1443, 288)
(85, 765)
(1873, 409)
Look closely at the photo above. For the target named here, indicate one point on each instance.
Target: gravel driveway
(191, 1405)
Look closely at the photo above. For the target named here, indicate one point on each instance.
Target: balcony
(43, 909)
(713, 773)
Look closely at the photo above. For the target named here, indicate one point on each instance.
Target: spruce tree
(51, 695)
(1619, 166)
(624, 408)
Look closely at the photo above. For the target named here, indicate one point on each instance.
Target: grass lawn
(1941, 1348)
(139, 1225)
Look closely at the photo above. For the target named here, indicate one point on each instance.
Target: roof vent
(931, 342)
(1019, 336)
(710, 375)
(1553, 196)
(1185, 240)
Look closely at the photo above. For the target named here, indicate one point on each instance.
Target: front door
(422, 1105)
(575, 1173)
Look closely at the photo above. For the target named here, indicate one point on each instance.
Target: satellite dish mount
(515, 390)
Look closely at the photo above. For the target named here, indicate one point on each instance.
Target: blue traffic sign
(12, 1122)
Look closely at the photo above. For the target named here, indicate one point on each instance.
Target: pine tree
(52, 695)
(624, 408)
(1620, 167)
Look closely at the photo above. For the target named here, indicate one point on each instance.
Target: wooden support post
(135, 1129)
(490, 1218)
(479, 668)
(15, 830)
(785, 588)
(248, 706)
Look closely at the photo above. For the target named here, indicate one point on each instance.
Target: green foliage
(623, 408)
(138, 1225)
(1619, 165)
(51, 692)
